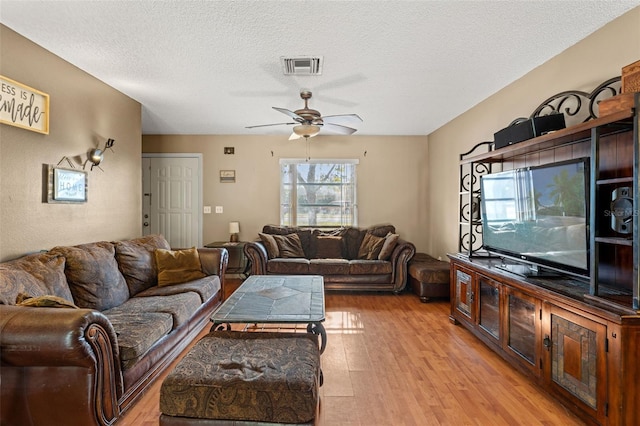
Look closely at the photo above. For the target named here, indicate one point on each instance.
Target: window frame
(292, 203)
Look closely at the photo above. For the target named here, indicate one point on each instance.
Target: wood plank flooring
(392, 360)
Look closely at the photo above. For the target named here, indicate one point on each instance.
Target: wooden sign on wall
(24, 107)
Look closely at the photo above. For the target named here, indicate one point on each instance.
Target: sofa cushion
(288, 266)
(137, 262)
(329, 266)
(305, 236)
(137, 332)
(370, 267)
(36, 275)
(289, 246)
(180, 306)
(370, 247)
(93, 275)
(329, 247)
(178, 266)
(352, 239)
(381, 230)
(390, 242)
(205, 287)
(270, 244)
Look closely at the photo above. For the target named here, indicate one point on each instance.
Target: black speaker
(622, 210)
(528, 129)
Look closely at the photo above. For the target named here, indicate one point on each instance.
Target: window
(318, 193)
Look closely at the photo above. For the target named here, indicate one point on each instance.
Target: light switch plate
(207, 210)
(218, 209)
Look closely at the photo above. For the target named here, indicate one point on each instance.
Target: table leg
(318, 328)
(220, 327)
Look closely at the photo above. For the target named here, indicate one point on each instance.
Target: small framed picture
(227, 176)
(66, 185)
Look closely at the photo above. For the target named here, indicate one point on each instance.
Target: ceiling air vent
(301, 65)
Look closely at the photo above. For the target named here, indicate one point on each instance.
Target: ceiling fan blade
(266, 125)
(341, 119)
(290, 114)
(339, 129)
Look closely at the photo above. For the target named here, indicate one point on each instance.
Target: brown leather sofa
(372, 259)
(115, 330)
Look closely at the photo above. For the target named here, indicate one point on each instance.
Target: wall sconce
(234, 230)
(96, 155)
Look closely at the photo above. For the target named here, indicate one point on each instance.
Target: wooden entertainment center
(578, 338)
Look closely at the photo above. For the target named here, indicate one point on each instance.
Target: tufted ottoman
(247, 378)
(428, 277)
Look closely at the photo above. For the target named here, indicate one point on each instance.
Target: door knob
(146, 224)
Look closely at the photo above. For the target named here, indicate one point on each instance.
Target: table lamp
(234, 230)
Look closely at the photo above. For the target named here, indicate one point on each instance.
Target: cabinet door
(489, 307)
(523, 329)
(464, 293)
(576, 360)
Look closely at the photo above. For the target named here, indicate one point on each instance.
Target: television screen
(539, 214)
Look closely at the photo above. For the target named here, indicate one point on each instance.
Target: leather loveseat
(372, 259)
(115, 331)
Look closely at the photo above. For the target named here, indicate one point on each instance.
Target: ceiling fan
(308, 122)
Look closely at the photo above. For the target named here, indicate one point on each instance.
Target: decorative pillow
(179, 266)
(137, 263)
(93, 275)
(289, 246)
(329, 248)
(46, 301)
(370, 247)
(390, 242)
(36, 274)
(270, 244)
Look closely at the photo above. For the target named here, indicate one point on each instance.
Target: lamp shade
(306, 130)
(234, 227)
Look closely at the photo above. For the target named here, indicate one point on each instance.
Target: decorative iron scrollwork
(576, 105)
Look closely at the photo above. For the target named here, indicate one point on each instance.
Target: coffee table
(276, 299)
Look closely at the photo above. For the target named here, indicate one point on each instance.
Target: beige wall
(581, 67)
(84, 113)
(391, 178)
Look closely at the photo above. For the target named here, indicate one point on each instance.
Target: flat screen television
(538, 216)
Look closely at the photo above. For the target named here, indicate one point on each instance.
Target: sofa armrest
(400, 258)
(214, 261)
(49, 354)
(256, 253)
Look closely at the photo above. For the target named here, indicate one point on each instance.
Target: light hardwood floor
(391, 360)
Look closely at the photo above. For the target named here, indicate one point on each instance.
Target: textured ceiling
(212, 67)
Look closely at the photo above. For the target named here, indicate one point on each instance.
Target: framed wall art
(227, 176)
(66, 185)
(24, 107)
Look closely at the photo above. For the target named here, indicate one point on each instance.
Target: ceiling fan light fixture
(306, 130)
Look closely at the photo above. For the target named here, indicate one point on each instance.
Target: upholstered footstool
(247, 378)
(429, 277)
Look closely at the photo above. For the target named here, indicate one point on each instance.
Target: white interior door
(172, 197)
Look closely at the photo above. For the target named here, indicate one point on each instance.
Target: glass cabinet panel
(489, 307)
(522, 326)
(464, 293)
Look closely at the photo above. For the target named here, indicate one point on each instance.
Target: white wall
(85, 112)
(391, 178)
